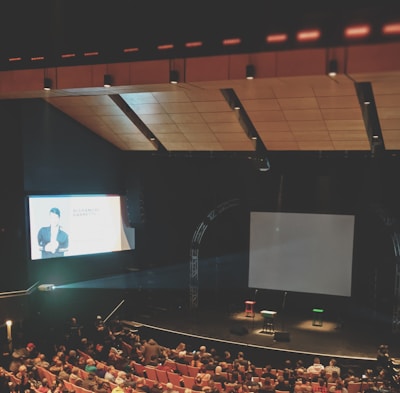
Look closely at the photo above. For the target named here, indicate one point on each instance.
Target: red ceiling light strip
(193, 44)
(165, 47)
(15, 59)
(360, 31)
(231, 41)
(130, 50)
(68, 55)
(87, 54)
(37, 58)
(275, 38)
(391, 29)
(308, 35)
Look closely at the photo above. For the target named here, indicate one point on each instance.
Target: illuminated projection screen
(309, 253)
(90, 224)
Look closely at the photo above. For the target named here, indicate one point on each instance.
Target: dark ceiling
(285, 109)
(52, 27)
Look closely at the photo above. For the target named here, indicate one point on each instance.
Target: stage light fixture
(250, 71)
(174, 77)
(107, 80)
(46, 287)
(333, 68)
(47, 84)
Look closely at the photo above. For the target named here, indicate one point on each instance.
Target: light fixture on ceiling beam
(174, 77)
(250, 71)
(332, 67)
(47, 84)
(107, 80)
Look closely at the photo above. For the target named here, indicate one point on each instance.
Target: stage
(292, 334)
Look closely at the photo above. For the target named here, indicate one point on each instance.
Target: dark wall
(12, 256)
(48, 153)
(169, 197)
(179, 193)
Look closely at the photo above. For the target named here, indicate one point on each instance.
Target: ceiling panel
(291, 113)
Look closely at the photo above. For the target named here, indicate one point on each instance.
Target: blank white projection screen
(310, 253)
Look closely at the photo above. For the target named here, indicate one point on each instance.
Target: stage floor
(350, 339)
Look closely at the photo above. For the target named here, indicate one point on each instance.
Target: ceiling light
(333, 68)
(47, 83)
(250, 71)
(107, 80)
(174, 77)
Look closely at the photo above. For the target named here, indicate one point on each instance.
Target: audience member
(316, 367)
(218, 377)
(332, 366)
(150, 348)
(320, 387)
(169, 388)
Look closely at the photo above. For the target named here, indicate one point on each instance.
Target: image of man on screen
(52, 239)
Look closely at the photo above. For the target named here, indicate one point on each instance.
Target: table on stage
(268, 321)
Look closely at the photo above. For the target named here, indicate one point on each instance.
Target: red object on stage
(249, 308)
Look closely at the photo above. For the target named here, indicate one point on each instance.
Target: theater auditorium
(213, 175)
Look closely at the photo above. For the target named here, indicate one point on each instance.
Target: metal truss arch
(195, 249)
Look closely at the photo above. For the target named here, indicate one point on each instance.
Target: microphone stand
(283, 309)
(113, 311)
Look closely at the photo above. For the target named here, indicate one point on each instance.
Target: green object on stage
(317, 321)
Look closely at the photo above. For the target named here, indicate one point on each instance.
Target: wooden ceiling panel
(298, 103)
(171, 96)
(156, 119)
(277, 136)
(173, 138)
(387, 100)
(283, 146)
(236, 146)
(342, 125)
(389, 112)
(193, 128)
(315, 145)
(147, 109)
(187, 118)
(272, 126)
(178, 107)
(159, 129)
(266, 116)
(260, 104)
(231, 128)
(299, 114)
(351, 145)
(348, 135)
(311, 125)
(307, 136)
(178, 146)
(202, 137)
(212, 106)
(337, 102)
(208, 146)
(288, 113)
(220, 117)
(342, 114)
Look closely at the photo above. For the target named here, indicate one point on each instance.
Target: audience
(73, 369)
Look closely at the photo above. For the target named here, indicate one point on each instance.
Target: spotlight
(46, 287)
(333, 68)
(250, 71)
(47, 83)
(107, 80)
(174, 77)
(263, 164)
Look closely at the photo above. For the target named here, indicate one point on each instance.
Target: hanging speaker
(135, 202)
